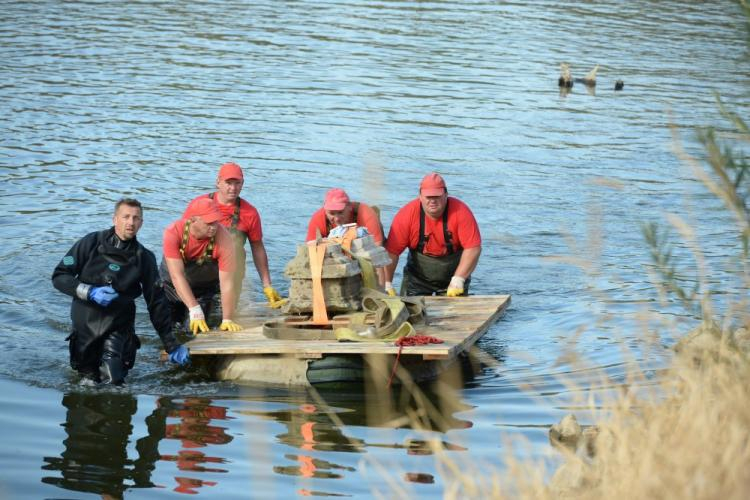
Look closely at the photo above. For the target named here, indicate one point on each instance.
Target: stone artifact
(365, 248)
(342, 282)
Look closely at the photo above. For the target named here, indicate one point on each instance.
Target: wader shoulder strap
(207, 253)
(376, 209)
(355, 210)
(446, 235)
(235, 214)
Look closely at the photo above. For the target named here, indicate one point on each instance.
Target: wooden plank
(477, 333)
(252, 341)
(459, 322)
(309, 356)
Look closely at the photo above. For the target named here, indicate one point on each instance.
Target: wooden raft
(459, 322)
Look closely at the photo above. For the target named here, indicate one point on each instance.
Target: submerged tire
(332, 372)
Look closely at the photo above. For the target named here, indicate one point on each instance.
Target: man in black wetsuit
(105, 272)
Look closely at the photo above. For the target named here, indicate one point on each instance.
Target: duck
(566, 80)
(590, 79)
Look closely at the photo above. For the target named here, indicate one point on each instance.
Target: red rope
(417, 340)
(408, 342)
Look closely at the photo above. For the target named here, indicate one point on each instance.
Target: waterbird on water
(590, 78)
(566, 79)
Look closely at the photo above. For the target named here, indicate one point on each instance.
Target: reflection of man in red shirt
(337, 210)
(443, 239)
(194, 432)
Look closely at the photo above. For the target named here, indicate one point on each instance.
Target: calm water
(147, 99)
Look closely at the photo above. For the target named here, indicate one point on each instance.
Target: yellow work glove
(456, 287)
(197, 320)
(389, 289)
(227, 325)
(274, 299)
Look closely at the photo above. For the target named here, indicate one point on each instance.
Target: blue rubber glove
(103, 295)
(181, 355)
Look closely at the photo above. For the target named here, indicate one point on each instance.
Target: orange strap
(317, 252)
(346, 240)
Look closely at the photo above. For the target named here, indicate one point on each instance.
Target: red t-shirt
(223, 246)
(249, 222)
(404, 231)
(366, 217)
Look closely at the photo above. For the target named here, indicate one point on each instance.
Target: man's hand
(103, 295)
(227, 325)
(274, 299)
(455, 287)
(197, 320)
(180, 356)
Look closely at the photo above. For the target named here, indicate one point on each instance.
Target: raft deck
(459, 322)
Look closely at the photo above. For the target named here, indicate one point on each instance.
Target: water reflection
(323, 422)
(194, 431)
(95, 458)
(99, 426)
(310, 428)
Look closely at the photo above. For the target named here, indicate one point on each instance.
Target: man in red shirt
(243, 221)
(443, 240)
(338, 210)
(199, 261)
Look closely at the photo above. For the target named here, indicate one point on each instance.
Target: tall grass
(687, 434)
(693, 443)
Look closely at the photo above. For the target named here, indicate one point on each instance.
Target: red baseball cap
(206, 209)
(230, 171)
(336, 199)
(432, 185)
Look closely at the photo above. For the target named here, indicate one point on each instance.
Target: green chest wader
(202, 275)
(240, 255)
(424, 274)
(238, 238)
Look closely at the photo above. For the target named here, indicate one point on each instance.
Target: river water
(105, 99)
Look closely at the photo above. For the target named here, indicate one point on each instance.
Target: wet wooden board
(459, 322)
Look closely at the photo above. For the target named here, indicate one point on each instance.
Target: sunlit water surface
(147, 99)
